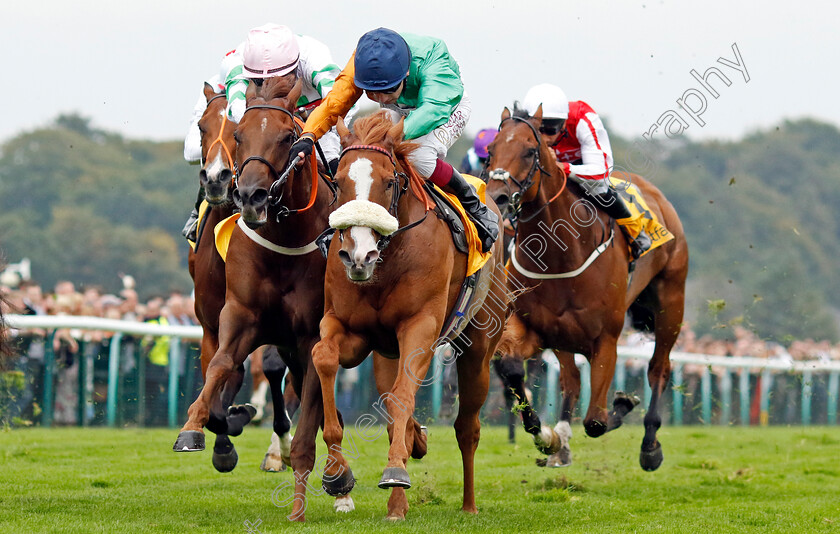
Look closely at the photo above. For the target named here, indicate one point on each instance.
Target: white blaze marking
(264, 123)
(216, 166)
(364, 241)
(361, 172)
(509, 138)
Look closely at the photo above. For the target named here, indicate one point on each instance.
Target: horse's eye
(236, 137)
(532, 152)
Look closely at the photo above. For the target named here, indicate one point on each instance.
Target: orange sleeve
(337, 103)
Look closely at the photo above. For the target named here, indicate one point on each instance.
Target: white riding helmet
(555, 105)
(270, 50)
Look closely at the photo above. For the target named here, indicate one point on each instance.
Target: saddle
(446, 211)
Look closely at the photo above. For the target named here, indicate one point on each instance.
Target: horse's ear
(343, 131)
(208, 91)
(294, 95)
(505, 114)
(251, 92)
(538, 113)
(395, 134)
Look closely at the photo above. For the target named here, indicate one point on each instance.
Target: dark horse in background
(207, 269)
(575, 300)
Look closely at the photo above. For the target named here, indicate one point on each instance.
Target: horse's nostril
(225, 176)
(202, 177)
(372, 256)
(344, 256)
(259, 197)
(502, 200)
(237, 199)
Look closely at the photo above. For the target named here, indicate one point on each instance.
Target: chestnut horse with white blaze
(393, 277)
(580, 287)
(207, 269)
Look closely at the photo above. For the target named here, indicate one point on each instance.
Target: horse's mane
(519, 112)
(373, 129)
(276, 87)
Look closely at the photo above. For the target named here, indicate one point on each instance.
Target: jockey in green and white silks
(270, 50)
(416, 77)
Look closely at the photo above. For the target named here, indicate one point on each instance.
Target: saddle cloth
(475, 258)
(642, 218)
(223, 231)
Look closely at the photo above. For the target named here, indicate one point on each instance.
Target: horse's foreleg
(602, 368)
(667, 327)
(385, 373)
(278, 455)
(511, 370)
(236, 340)
(303, 446)
(570, 385)
(335, 340)
(416, 338)
(473, 384)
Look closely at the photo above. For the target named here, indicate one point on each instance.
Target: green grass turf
(713, 480)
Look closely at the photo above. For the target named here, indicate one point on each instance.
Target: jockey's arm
(337, 103)
(595, 150)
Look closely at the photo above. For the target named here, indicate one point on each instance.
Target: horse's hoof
(562, 458)
(341, 485)
(344, 504)
(651, 460)
(547, 441)
(224, 462)
(189, 441)
(626, 401)
(395, 477)
(241, 409)
(273, 463)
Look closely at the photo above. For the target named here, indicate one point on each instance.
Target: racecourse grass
(714, 479)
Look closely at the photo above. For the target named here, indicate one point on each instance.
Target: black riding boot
(486, 222)
(614, 206)
(191, 227)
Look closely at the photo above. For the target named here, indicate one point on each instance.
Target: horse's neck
(569, 231)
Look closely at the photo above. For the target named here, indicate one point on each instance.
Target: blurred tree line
(85, 205)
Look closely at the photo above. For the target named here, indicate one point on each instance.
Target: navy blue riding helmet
(382, 60)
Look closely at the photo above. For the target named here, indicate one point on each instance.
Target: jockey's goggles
(552, 127)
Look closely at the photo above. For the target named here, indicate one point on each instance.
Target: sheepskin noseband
(364, 213)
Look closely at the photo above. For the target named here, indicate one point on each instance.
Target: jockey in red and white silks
(582, 147)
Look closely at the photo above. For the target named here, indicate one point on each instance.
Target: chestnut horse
(398, 308)
(274, 272)
(207, 269)
(578, 260)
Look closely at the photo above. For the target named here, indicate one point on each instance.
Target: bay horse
(575, 264)
(274, 272)
(398, 308)
(207, 269)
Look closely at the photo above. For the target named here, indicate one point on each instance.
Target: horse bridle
(274, 198)
(524, 185)
(218, 139)
(398, 192)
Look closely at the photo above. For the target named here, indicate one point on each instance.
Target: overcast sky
(137, 67)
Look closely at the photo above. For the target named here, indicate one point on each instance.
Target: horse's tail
(641, 312)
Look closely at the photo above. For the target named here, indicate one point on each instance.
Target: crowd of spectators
(28, 350)
(29, 346)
